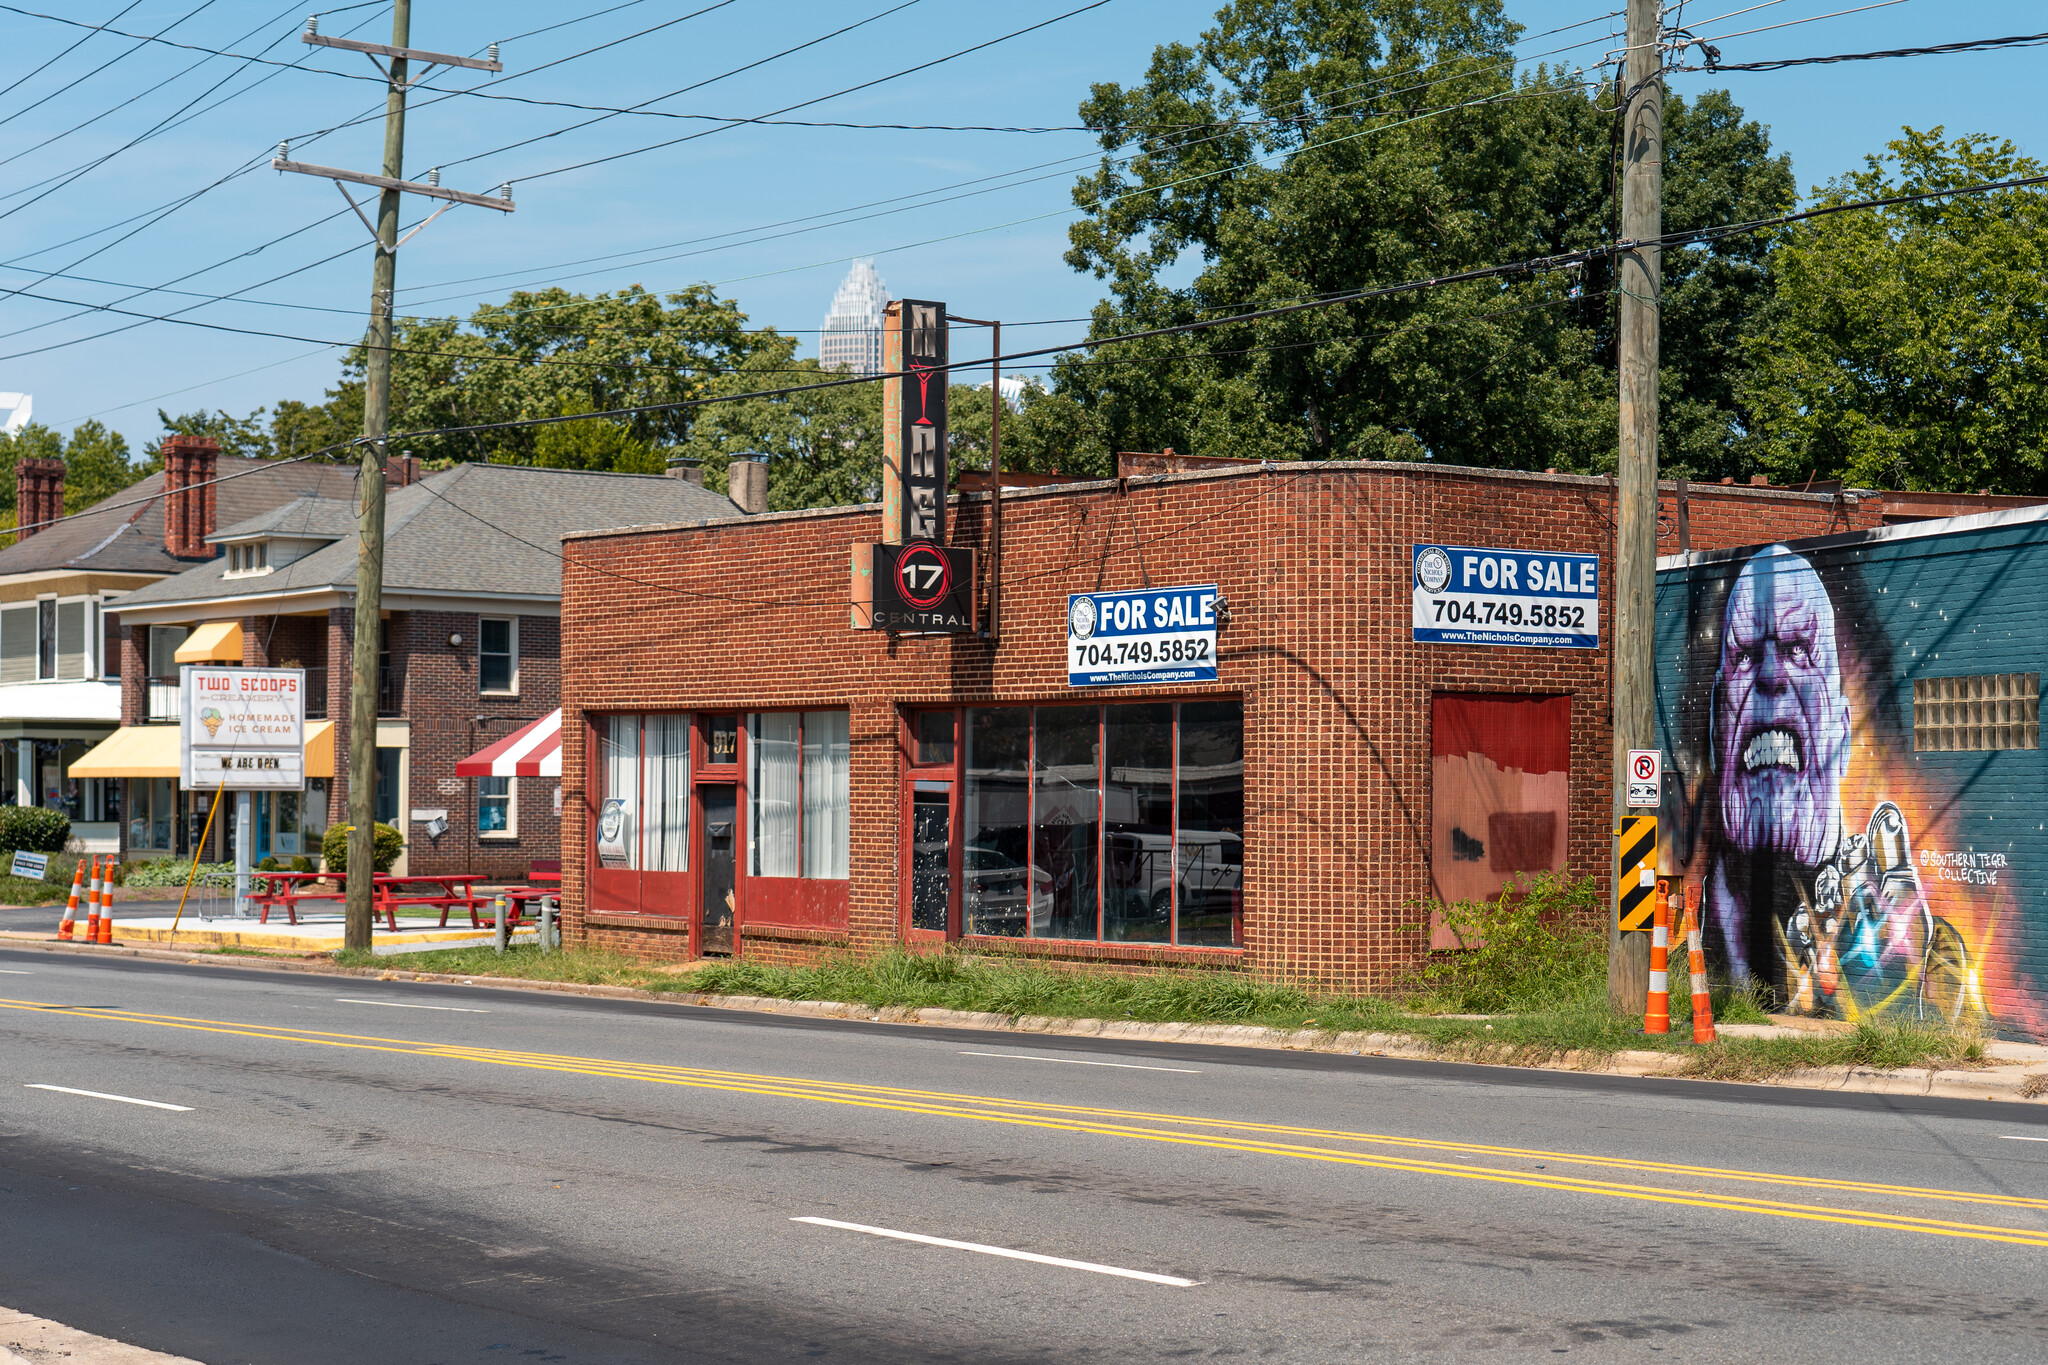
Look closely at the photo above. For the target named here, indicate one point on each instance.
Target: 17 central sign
(922, 588)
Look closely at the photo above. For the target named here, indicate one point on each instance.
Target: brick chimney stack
(190, 463)
(401, 471)
(38, 495)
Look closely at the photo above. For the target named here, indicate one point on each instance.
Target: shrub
(267, 864)
(1520, 953)
(35, 828)
(384, 852)
(302, 864)
(166, 872)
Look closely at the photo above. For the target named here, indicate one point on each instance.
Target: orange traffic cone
(69, 926)
(1702, 1000)
(92, 904)
(1657, 1011)
(107, 906)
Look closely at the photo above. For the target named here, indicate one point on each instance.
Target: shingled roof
(476, 528)
(125, 533)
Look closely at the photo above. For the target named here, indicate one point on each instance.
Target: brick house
(470, 651)
(60, 651)
(805, 787)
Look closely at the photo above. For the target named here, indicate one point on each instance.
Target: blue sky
(716, 209)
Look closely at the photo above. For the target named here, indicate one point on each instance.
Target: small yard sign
(33, 866)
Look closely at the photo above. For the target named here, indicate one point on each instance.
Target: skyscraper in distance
(852, 339)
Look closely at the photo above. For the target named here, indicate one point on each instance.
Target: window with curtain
(494, 806)
(826, 794)
(1121, 823)
(74, 639)
(667, 785)
(619, 770)
(772, 784)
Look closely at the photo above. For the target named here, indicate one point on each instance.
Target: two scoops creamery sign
(244, 729)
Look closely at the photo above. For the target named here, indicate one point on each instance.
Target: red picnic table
(443, 891)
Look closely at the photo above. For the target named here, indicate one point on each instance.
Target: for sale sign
(243, 729)
(1163, 635)
(1465, 595)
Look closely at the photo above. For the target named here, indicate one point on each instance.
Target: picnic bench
(287, 891)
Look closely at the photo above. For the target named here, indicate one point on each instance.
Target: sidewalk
(26, 1340)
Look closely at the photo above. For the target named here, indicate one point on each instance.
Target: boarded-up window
(1500, 788)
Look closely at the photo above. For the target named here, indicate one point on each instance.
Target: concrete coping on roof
(1914, 530)
(1264, 467)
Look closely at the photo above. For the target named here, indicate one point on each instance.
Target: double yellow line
(1522, 1166)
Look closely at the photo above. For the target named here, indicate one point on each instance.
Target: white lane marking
(1014, 1255)
(123, 1099)
(2015, 1137)
(399, 1005)
(6, 971)
(1076, 1061)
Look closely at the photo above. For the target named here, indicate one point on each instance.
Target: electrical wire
(1940, 49)
(37, 104)
(31, 74)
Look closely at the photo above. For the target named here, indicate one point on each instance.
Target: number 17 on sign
(1645, 779)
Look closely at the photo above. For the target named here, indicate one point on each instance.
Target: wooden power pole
(1633, 651)
(364, 680)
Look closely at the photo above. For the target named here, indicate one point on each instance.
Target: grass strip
(1574, 1026)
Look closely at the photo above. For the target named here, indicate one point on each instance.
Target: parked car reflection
(1001, 895)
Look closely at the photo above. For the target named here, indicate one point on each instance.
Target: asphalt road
(398, 1172)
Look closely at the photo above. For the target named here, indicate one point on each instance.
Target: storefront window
(1208, 851)
(1137, 820)
(772, 782)
(1000, 892)
(1123, 823)
(153, 813)
(619, 761)
(799, 789)
(827, 794)
(1066, 815)
(667, 784)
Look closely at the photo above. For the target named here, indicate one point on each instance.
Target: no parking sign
(1645, 778)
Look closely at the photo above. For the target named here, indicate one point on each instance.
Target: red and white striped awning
(533, 750)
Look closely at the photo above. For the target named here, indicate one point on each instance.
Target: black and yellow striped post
(1635, 894)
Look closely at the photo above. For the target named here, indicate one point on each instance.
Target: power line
(30, 75)
(36, 104)
(1713, 62)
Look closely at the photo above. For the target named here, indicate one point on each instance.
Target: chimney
(402, 471)
(688, 468)
(38, 495)
(190, 463)
(746, 483)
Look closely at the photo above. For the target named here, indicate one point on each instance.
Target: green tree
(551, 352)
(96, 466)
(242, 436)
(1909, 345)
(824, 446)
(1305, 147)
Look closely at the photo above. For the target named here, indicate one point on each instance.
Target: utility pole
(364, 679)
(1639, 280)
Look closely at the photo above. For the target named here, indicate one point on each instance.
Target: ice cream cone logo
(211, 719)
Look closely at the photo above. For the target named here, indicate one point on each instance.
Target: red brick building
(778, 784)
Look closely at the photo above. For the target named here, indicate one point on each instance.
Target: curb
(1989, 1083)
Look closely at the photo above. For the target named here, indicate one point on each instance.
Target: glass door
(931, 856)
(720, 909)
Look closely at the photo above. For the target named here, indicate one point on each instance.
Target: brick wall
(1315, 563)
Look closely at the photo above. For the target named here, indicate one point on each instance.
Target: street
(331, 1169)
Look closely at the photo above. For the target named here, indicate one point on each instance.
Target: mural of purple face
(1781, 723)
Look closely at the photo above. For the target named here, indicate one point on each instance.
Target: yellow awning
(216, 642)
(153, 751)
(132, 751)
(320, 748)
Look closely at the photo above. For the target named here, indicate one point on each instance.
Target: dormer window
(247, 558)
